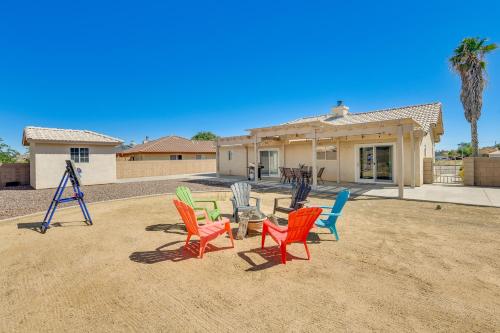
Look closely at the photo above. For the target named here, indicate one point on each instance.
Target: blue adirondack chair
(332, 217)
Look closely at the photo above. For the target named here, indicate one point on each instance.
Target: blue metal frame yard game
(72, 175)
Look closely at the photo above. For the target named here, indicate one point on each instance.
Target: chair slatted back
(320, 172)
(184, 194)
(340, 201)
(299, 194)
(288, 173)
(241, 193)
(188, 216)
(297, 173)
(300, 223)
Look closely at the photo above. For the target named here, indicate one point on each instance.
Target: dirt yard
(399, 266)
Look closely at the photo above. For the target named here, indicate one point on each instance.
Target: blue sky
(131, 69)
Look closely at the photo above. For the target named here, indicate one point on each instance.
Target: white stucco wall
(300, 153)
(49, 164)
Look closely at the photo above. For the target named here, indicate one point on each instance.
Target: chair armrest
(281, 198)
(275, 227)
(257, 201)
(207, 200)
(331, 214)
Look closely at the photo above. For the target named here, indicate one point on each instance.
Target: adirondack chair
(206, 232)
(332, 217)
(184, 194)
(241, 199)
(300, 191)
(300, 223)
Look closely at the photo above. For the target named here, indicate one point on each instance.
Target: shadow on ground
(181, 253)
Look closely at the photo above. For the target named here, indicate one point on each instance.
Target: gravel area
(18, 201)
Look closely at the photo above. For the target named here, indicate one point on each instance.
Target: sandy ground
(399, 266)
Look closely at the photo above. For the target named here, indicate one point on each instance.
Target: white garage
(93, 153)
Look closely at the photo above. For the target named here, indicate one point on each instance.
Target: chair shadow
(272, 255)
(175, 255)
(177, 228)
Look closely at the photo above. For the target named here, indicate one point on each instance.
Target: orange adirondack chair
(206, 232)
(300, 223)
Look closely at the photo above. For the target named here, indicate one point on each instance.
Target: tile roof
(44, 134)
(173, 144)
(425, 115)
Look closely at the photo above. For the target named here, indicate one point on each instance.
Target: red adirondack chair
(206, 232)
(300, 223)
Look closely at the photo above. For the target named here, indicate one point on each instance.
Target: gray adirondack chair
(300, 191)
(241, 199)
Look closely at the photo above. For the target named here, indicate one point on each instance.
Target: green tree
(468, 61)
(7, 154)
(204, 136)
(464, 149)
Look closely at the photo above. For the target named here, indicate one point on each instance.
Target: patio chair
(332, 217)
(297, 174)
(289, 176)
(300, 191)
(282, 174)
(320, 174)
(241, 199)
(206, 232)
(184, 194)
(300, 223)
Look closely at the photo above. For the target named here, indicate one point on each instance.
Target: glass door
(366, 164)
(384, 163)
(269, 160)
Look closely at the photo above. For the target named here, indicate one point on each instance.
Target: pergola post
(337, 144)
(412, 145)
(256, 160)
(217, 158)
(314, 164)
(401, 176)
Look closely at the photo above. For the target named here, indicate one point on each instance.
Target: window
(79, 155)
(230, 155)
(199, 157)
(328, 153)
(175, 157)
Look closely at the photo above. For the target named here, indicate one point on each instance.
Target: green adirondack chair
(184, 195)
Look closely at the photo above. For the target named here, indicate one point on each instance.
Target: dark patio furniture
(241, 199)
(289, 176)
(320, 173)
(297, 175)
(300, 191)
(282, 174)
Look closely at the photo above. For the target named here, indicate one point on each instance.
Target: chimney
(340, 110)
(146, 140)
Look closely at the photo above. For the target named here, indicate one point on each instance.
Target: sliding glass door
(269, 160)
(375, 163)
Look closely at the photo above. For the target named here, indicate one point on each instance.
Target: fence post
(468, 165)
(428, 170)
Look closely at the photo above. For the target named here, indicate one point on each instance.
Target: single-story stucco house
(384, 146)
(170, 148)
(93, 154)
(494, 154)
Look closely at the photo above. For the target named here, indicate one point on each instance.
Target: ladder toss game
(73, 176)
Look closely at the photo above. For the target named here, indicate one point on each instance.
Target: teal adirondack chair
(184, 195)
(331, 220)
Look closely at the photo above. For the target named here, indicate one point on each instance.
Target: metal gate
(448, 172)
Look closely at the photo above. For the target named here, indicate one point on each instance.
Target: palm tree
(468, 61)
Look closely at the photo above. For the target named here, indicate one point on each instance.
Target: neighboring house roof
(172, 144)
(59, 135)
(487, 150)
(425, 115)
(494, 154)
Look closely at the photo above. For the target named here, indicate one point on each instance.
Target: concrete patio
(452, 193)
